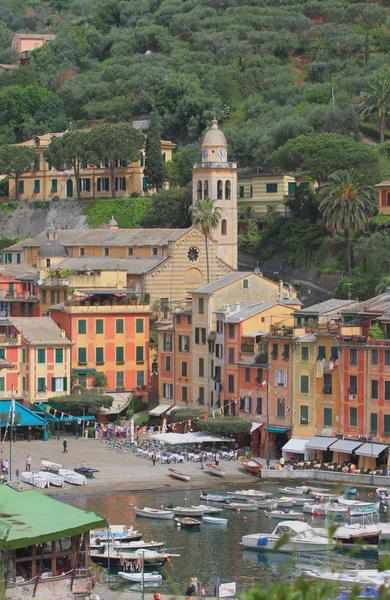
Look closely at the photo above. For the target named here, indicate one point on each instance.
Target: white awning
(371, 449)
(119, 404)
(347, 446)
(297, 445)
(320, 443)
(199, 437)
(255, 426)
(160, 409)
(176, 408)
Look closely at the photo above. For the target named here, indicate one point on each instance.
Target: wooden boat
(154, 513)
(242, 506)
(282, 515)
(186, 511)
(34, 479)
(188, 522)
(52, 478)
(178, 475)
(118, 533)
(251, 465)
(153, 577)
(209, 510)
(214, 498)
(72, 477)
(87, 471)
(215, 520)
(214, 470)
(51, 466)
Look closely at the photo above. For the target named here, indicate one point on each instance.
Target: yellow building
(384, 197)
(267, 191)
(45, 183)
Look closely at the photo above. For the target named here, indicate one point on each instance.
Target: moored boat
(34, 479)
(214, 498)
(356, 533)
(153, 577)
(241, 506)
(251, 465)
(325, 509)
(384, 494)
(249, 494)
(209, 510)
(120, 533)
(281, 515)
(179, 475)
(52, 478)
(72, 477)
(215, 520)
(188, 522)
(51, 466)
(186, 511)
(154, 513)
(301, 538)
(117, 557)
(214, 470)
(285, 502)
(97, 542)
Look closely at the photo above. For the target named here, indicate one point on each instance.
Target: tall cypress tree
(154, 170)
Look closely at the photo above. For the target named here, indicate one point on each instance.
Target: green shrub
(41, 204)
(377, 332)
(225, 426)
(185, 415)
(136, 405)
(9, 206)
(128, 213)
(91, 432)
(141, 421)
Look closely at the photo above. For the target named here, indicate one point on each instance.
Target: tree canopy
(225, 426)
(154, 171)
(16, 160)
(81, 401)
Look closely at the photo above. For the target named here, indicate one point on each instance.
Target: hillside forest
(297, 85)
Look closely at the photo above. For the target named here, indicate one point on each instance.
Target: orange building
(23, 43)
(110, 333)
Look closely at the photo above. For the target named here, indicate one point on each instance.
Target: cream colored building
(267, 191)
(216, 178)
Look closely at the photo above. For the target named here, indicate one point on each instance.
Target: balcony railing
(104, 308)
(325, 329)
(281, 331)
(248, 348)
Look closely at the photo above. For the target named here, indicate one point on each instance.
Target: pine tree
(154, 170)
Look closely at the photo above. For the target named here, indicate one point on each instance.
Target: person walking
(65, 445)
(5, 467)
(154, 458)
(201, 459)
(17, 474)
(217, 459)
(281, 461)
(190, 592)
(28, 462)
(194, 582)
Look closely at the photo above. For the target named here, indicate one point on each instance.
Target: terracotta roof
(133, 266)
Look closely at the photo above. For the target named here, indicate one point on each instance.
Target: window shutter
(98, 184)
(197, 335)
(53, 384)
(259, 406)
(107, 185)
(88, 185)
(65, 384)
(249, 404)
(276, 377)
(242, 403)
(116, 184)
(124, 184)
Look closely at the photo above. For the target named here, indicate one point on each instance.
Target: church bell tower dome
(214, 137)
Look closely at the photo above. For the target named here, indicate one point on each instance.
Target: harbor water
(209, 551)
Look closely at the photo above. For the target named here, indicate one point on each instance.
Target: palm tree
(347, 203)
(207, 217)
(376, 101)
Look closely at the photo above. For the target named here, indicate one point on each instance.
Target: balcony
(10, 341)
(325, 329)
(106, 308)
(16, 297)
(281, 331)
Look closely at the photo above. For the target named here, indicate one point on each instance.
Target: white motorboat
(120, 533)
(72, 477)
(51, 466)
(356, 533)
(116, 557)
(145, 577)
(320, 510)
(357, 503)
(214, 520)
(188, 522)
(248, 495)
(97, 543)
(302, 490)
(324, 496)
(282, 515)
(34, 479)
(285, 502)
(154, 513)
(351, 578)
(301, 537)
(384, 495)
(267, 503)
(52, 478)
(241, 506)
(209, 510)
(186, 511)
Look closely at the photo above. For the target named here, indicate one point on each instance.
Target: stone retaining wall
(330, 476)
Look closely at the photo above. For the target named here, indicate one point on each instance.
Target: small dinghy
(267, 503)
(209, 510)
(52, 478)
(249, 495)
(186, 511)
(87, 471)
(215, 520)
(178, 475)
(72, 477)
(282, 515)
(242, 506)
(154, 513)
(51, 466)
(214, 470)
(384, 494)
(214, 498)
(153, 577)
(187, 522)
(97, 543)
(34, 479)
(252, 466)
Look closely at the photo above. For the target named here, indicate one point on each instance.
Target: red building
(18, 295)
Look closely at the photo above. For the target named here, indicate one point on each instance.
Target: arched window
(199, 194)
(227, 190)
(223, 227)
(219, 190)
(205, 189)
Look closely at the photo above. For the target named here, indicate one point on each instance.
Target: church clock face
(193, 254)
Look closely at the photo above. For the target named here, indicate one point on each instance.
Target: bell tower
(216, 178)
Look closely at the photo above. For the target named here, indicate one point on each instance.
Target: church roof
(214, 137)
(52, 248)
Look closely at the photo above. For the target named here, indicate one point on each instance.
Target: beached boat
(179, 475)
(301, 538)
(153, 577)
(188, 522)
(282, 515)
(215, 520)
(214, 498)
(120, 533)
(186, 511)
(251, 465)
(383, 494)
(209, 510)
(249, 495)
(154, 513)
(72, 477)
(97, 542)
(242, 506)
(34, 479)
(87, 471)
(52, 478)
(51, 466)
(214, 470)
